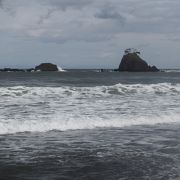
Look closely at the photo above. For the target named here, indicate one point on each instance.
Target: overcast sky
(88, 33)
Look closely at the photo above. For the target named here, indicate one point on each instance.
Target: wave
(63, 124)
(118, 89)
(171, 70)
(60, 69)
(41, 109)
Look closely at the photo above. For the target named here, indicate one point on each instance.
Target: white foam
(171, 70)
(69, 108)
(61, 69)
(118, 89)
(62, 124)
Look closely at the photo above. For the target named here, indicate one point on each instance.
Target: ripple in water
(128, 153)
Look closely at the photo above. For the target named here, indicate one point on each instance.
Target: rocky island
(46, 67)
(41, 67)
(132, 62)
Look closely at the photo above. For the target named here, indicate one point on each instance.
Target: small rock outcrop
(132, 62)
(16, 70)
(46, 67)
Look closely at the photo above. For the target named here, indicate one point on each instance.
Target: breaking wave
(69, 108)
(118, 89)
(63, 123)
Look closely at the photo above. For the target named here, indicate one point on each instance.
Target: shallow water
(89, 125)
(139, 152)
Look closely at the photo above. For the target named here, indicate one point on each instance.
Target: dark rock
(154, 69)
(12, 70)
(16, 70)
(46, 67)
(133, 63)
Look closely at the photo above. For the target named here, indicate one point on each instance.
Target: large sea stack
(132, 62)
(46, 67)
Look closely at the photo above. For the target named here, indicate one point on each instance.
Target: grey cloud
(6, 8)
(91, 20)
(91, 25)
(43, 17)
(83, 37)
(1, 4)
(56, 5)
(64, 4)
(109, 12)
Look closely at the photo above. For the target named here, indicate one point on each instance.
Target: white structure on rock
(131, 50)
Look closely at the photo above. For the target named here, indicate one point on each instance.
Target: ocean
(88, 125)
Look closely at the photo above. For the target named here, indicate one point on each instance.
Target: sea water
(82, 124)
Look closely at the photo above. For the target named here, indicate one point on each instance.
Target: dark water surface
(89, 125)
(85, 78)
(131, 153)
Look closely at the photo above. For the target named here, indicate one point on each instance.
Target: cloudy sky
(88, 33)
